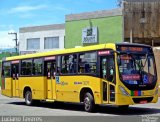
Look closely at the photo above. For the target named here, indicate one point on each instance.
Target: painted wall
(109, 30)
(41, 34)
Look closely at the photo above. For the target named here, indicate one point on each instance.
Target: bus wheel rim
(28, 98)
(87, 103)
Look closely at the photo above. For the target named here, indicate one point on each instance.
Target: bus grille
(138, 100)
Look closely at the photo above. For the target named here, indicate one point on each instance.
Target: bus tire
(28, 98)
(89, 104)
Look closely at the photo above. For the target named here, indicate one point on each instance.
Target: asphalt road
(16, 107)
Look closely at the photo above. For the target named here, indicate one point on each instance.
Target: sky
(23, 13)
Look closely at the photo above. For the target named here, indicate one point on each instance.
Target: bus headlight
(124, 92)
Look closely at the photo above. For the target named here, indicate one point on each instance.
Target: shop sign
(89, 35)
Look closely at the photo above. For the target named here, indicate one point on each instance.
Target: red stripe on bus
(135, 93)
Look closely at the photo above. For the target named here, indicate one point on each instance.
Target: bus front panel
(137, 75)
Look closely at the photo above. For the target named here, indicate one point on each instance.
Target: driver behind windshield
(129, 68)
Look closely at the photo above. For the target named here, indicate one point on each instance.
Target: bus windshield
(137, 69)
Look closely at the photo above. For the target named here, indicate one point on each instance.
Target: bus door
(51, 83)
(107, 70)
(15, 78)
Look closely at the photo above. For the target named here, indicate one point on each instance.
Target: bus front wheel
(28, 98)
(89, 104)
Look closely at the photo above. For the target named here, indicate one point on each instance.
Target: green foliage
(7, 54)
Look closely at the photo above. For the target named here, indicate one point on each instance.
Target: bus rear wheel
(89, 104)
(28, 98)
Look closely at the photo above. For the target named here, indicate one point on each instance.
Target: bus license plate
(143, 101)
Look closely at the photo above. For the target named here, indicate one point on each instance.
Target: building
(136, 22)
(141, 21)
(93, 28)
(41, 38)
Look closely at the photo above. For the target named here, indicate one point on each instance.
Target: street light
(16, 40)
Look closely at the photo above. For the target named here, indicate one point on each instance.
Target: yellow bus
(117, 74)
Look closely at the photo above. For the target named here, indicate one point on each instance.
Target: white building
(41, 38)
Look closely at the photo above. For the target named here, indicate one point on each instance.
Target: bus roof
(72, 50)
(131, 44)
(64, 51)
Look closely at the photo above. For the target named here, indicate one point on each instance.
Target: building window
(33, 44)
(26, 67)
(51, 42)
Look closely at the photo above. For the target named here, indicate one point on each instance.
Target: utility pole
(16, 40)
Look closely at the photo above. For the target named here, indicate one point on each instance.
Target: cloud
(6, 27)
(23, 9)
(6, 40)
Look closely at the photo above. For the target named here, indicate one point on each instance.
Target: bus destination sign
(137, 49)
(133, 49)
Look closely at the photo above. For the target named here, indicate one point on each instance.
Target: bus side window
(48, 73)
(80, 66)
(58, 70)
(69, 64)
(110, 69)
(87, 68)
(2, 74)
(53, 71)
(87, 62)
(73, 64)
(37, 66)
(6, 72)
